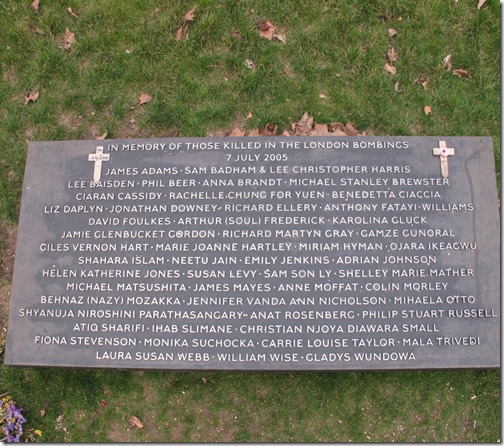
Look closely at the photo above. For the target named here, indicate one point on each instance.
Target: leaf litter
(183, 32)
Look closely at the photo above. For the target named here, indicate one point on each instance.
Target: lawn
(142, 68)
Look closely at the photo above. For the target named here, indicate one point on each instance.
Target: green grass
(201, 86)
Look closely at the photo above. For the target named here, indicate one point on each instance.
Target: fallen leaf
(32, 96)
(266, 30)
(390, 69)
(236, 131)
(69, 39)
(285, 133)
(392, 32)
(100, 137)
(103, 403)
(182, 33)
(462, 74)
(287, 72)
(43, 412)
(134, 420)
(189, 17)
(203, 380)
(35, 5)
(254, 132)
(447, 62)
(350, 129)
(391, 54)
(270, 130)
(322, 96)
(144, 98)
(337, 127)
(321, 130)
(280, 37)
(427, 110)
(249, 115)
(69, 10)
(236, 34)
(481, 3)
(304, 126)
(249, 64)
(60, 419)
(396, 86)
(422, 80)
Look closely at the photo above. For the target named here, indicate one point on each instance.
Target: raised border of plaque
(317, 253)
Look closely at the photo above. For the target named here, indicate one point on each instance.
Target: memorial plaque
(334, 253)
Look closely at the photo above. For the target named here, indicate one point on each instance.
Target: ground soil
(8, 236)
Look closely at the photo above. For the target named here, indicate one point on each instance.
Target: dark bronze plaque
(258, 254)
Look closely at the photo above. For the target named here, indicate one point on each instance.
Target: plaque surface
(258, 254)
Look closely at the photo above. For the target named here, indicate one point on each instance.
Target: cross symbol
(98, 157)
(443, 152)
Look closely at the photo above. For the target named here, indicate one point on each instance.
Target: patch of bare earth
(8, 236)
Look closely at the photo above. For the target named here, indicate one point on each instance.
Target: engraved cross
(98, 157)
(443, 152)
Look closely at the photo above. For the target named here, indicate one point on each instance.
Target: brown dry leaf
(236, 34)
(322, 96)
(287, 72)
(280, 37)
(69, 39)
(69, 10)
(286, 133)
(392, 32)
(427, 110)
(481, 3)
(100, 137)
(32, 96)
(266, 29)
(337, 126)
(321, 130)
(182, 33)
(462, 74)
(144, 98)
(254, 132)
(236, 131)
(392, 54)
(203, 380)
(304, 126)
(447, 62)
(390, 69)
(43, 411)
(350, 129)
(189, 17)
(134, 420)
(60, 419)
(396, 86)
(249, 115)
(35, 5)
(270, 130)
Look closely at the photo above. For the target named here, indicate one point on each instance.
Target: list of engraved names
(242, 253)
